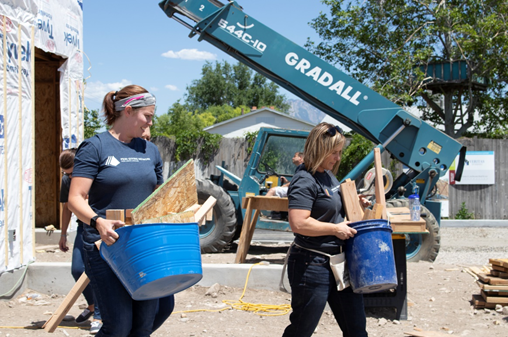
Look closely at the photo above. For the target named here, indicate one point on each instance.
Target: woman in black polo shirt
(316, 216)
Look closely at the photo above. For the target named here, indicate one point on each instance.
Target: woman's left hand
(364, 201)
(106, 229)
(343, 231)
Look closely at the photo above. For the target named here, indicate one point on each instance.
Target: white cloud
(171, 87)
(190, 54)
(154, 89)
(97, 90)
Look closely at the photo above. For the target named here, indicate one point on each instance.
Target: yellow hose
(257, 308)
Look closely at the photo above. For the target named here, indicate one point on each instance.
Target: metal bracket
(212, 17)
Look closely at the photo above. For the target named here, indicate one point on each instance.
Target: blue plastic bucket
(370, 258)
(155, 260)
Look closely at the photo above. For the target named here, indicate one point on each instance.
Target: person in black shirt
(316, 216)
(66, 160)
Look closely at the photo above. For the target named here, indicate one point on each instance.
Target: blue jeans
(312, 285)
(121, 315)
(164, 310)
(78, 267)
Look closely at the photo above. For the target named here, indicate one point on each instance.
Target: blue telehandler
(426, 151)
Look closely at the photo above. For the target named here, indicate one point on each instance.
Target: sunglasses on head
(332, 131)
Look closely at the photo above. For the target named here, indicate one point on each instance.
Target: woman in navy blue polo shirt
(316, 216)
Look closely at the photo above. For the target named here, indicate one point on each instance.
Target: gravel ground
(439, 297)
(468, 246)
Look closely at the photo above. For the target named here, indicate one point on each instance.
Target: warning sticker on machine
(435, 147)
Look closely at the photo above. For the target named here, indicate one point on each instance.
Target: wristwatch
(93, 221)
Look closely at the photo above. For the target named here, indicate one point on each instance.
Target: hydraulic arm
(410, 140)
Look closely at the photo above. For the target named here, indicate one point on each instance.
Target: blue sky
(134, 42)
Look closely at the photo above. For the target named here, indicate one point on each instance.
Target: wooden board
(202, 213)
(499, 262)
(499, 268)
(401, 222)
(489, 287)
(375, 213)
(120, 214)
(195, 213)
(479, 302)
(494, 299)
(266, 203)
(174, 196)
(378, 182)
(503, 293)
(354, 211)
(498, 273)
(492, 279)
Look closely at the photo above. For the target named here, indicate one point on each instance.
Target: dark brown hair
(108, 105)
(67, 158)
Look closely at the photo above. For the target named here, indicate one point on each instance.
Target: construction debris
(493, 283)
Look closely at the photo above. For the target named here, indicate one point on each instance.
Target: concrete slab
(55, 277)
(43, 237)
(50, 277)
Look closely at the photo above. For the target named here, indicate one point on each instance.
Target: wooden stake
(53, 322)
(379, 185)
(200, 216)
(115, 214)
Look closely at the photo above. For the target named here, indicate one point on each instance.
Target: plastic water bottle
(414, 205)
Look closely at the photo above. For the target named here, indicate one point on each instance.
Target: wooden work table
(258, 204)
(398, 217)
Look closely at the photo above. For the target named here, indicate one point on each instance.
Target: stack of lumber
(493, 283)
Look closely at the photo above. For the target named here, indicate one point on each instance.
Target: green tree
(232, 85)
(225, 112)
(388, 45)
(358, 149)
(92, 122)
(187, 129)
(161, 125)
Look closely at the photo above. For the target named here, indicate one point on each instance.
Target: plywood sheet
(176, 195)
(47, 145)
(182, 217)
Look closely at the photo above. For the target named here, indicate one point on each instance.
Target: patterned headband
(136, 101)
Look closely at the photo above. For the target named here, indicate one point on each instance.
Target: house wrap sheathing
(55, 27)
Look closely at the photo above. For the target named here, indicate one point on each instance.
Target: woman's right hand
(107, 228)
(343, 231)
(62, 244)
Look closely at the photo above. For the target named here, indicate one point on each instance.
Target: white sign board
(479, 169)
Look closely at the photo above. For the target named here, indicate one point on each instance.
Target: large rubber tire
(420, 247)
(218, 233)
